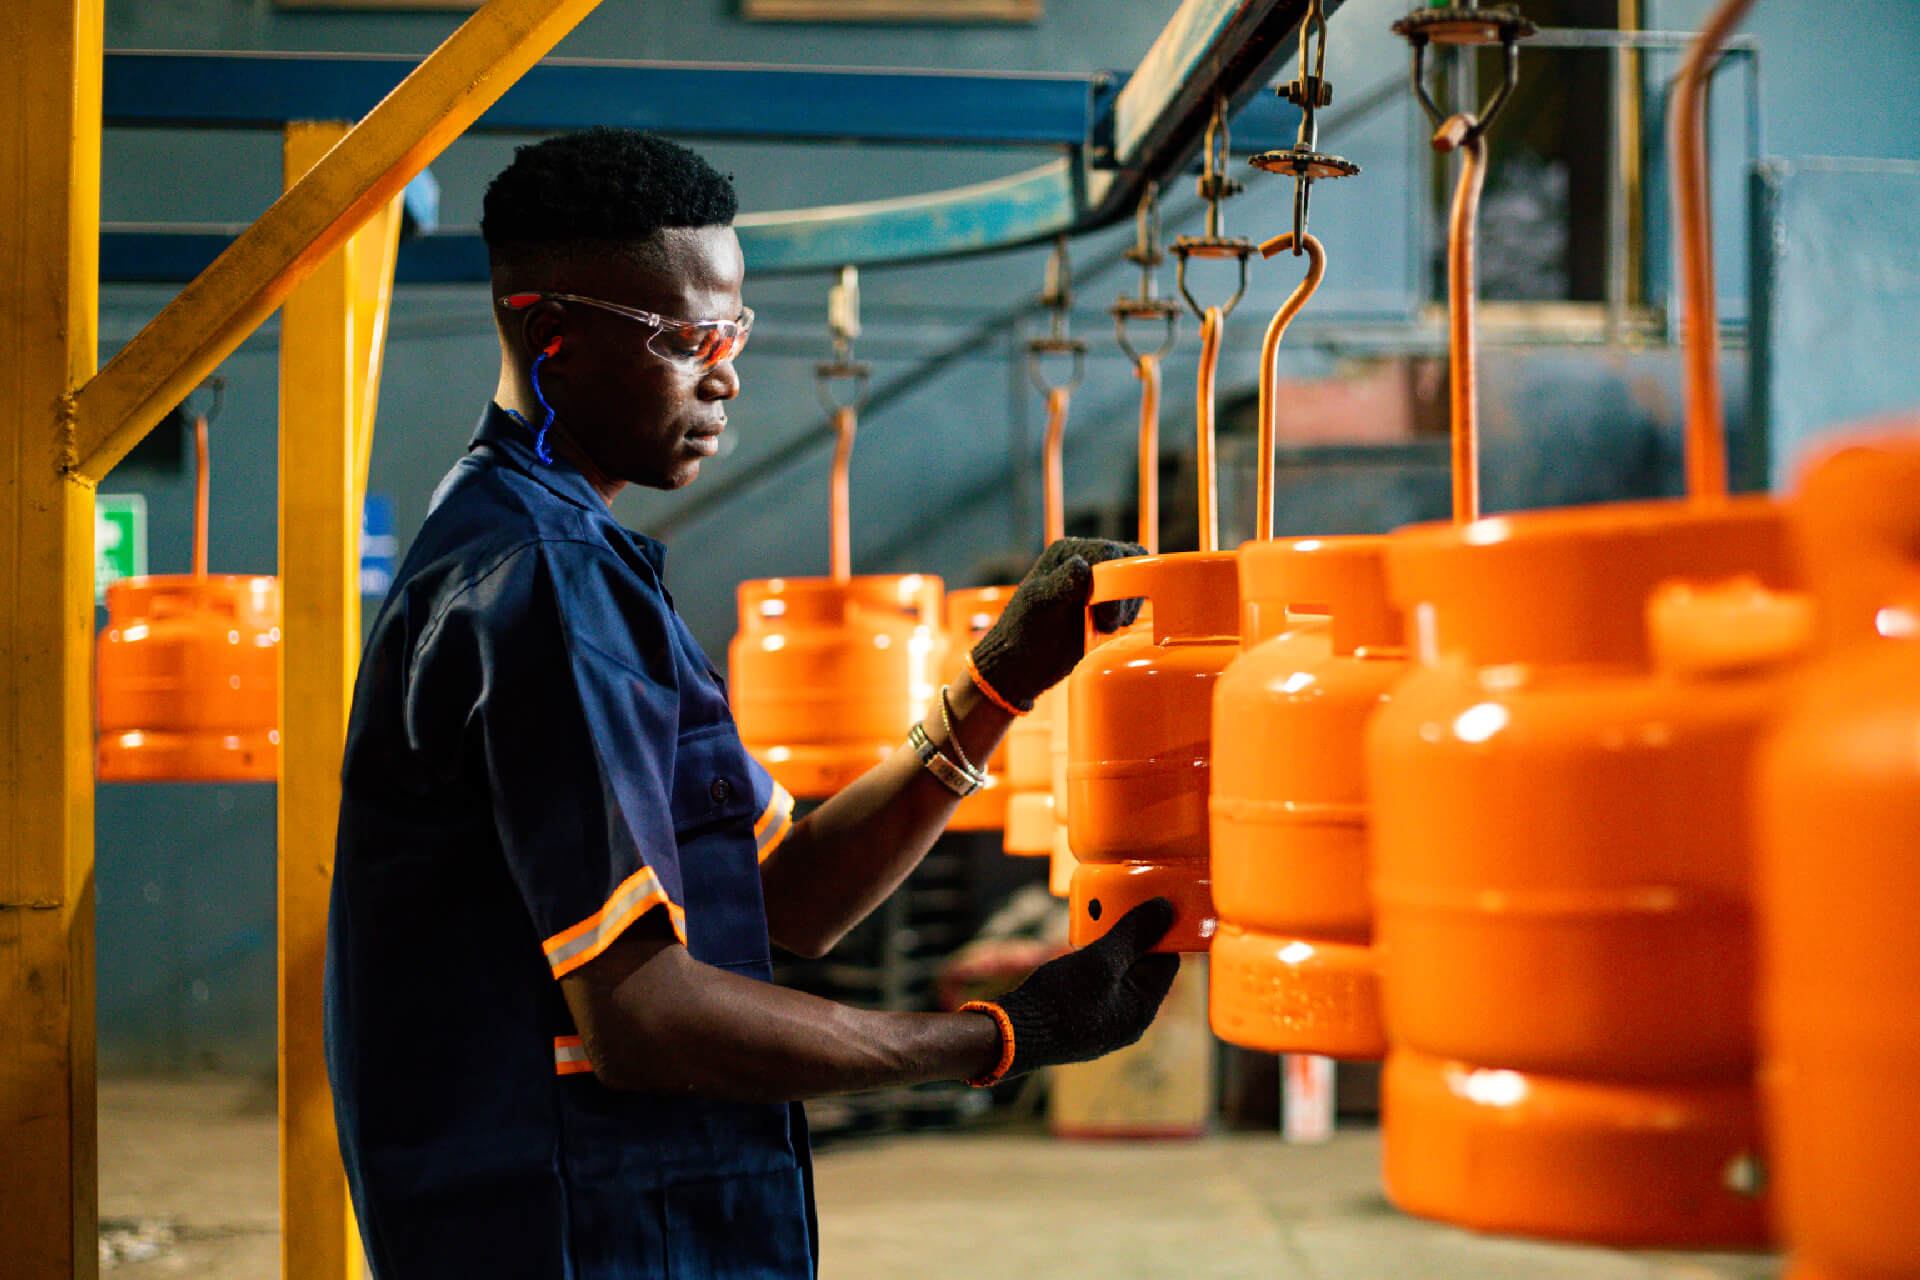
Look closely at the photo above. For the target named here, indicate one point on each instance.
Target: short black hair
(601, 186)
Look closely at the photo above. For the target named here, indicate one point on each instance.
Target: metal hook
(1146, 305)
(1309, 93)
(1185, 248)
(1042, 347)
(215, 384)
(1215, 187)
(1466, 26)
(1164, 309)
(829, 372)
(1057, 296)
(843, 323)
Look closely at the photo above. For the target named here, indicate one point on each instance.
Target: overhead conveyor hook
(1311, 91)
(843, 320)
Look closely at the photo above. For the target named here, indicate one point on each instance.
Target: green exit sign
(119, 539)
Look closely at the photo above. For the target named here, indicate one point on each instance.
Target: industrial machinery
(1141, 703)
(1837, 821)
(826, 671)
(1294, 970)
(188, 669)
(1562, 868)
(1033, 807)
(1144, 305)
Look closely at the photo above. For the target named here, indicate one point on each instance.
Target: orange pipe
(841, 551)
(200, 496)
(1056, 493)
(1316, 268)
(1463, 355)
(1210, 325)
(1706, 417)
(1147, 369)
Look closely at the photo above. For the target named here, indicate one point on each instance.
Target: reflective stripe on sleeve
(569, 1056)
(637, 894)
(774, 823)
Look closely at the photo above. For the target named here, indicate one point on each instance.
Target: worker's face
(638, 416)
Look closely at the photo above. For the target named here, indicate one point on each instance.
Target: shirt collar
(512, 439)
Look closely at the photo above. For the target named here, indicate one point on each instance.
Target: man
(553, 1045)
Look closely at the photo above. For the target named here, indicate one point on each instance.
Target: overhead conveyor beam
(219, 90)
(1117, 131)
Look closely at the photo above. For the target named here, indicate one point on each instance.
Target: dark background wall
(945, 478)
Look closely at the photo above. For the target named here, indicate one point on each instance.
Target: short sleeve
(575, 727)
(773, 809)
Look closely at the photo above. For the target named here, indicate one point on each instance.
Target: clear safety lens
(704, 344)
(699, 343)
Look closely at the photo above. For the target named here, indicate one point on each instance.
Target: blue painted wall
(185, 874)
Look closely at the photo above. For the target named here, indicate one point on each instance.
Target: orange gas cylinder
(189, 680)
(1562, 869)
(1029, 747)
(1559, 792)
(1139, 746)
(187, 671)
(1294, 968)
(1293, 962)
(1032, 807)
(1838, 817)
(827, 674)
(1060, 864)
(1141, 703)
(970, 613)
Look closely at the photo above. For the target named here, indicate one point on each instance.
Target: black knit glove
(1089, 1002)
(1041, 634)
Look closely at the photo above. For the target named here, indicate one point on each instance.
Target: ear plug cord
(540, 449)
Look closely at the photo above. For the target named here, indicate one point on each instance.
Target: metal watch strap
(962, 782)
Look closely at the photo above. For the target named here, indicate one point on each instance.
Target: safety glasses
(697, 345)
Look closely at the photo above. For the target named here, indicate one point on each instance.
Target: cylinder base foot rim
(1103, 892)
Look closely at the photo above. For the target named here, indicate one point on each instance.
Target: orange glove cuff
(992, 694)
(999, 1015)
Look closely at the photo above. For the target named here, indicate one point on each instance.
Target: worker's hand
(1094, 1000)
(1042, 632)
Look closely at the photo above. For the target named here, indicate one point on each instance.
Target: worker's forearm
(667, 1023)
(846, 857)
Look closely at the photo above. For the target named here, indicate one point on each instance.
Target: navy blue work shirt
(540, 753)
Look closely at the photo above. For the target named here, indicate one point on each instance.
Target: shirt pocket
(712, 781)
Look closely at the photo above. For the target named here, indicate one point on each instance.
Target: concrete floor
(188, 1176)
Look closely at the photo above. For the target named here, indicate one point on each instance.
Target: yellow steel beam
(49, 284)
(376, 249)
(241, 288)
(331, 333)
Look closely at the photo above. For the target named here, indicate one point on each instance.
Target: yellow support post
(49, 284)
(331, 336)
(370, 166)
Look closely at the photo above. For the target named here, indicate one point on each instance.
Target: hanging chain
(1214, 187)
(1310, 92)
(843, 325)
(1147, 304)
(1057, 297)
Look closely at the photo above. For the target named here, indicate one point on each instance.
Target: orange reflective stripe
(569, 1056)
(779, 805)
(773, 840)
(775, 822)
(637, 894)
